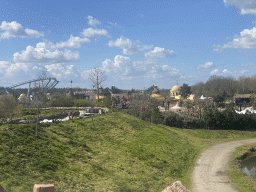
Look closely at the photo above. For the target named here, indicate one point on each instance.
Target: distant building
(191, 97)
(242, 99)
(175, 92)
(88, 95)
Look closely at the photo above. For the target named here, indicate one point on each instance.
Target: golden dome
(175, 88)
(23, 95)
(156, 95)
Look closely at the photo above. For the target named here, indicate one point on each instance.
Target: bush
(183, 121)
(156, 116)
(7, 105)
(62, 101)
(82, 103)
(3, 119)
(29, 111)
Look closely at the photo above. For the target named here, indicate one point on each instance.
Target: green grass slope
(119, 153)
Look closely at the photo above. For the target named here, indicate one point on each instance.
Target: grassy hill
(118, 153)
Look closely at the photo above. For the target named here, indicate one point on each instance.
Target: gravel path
(209, 174)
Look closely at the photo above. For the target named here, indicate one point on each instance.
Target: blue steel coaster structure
(52, 82)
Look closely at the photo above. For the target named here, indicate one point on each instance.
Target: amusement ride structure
(47, 86)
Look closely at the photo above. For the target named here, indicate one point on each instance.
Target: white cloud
(243, 71)
(93, 22)
(220, 73)
(207, 65)
(45, 52)
(13, 73)
(115, 25)
(249, 65)
(129, 47)
(159, 53)
(163, 72)
(73, 42)
(246, 6)
(246, 40)
(90, 32)
(62, 72)
(121, 66)
(14, 29)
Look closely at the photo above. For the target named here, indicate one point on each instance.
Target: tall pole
(37, 121)
(71, 94)
(98, 93)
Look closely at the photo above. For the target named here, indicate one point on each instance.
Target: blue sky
(137, 43)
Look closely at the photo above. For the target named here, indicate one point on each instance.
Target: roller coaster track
(52, 82)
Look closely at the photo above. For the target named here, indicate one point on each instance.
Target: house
(242, 99)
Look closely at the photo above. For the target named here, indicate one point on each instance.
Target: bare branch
(97, 77)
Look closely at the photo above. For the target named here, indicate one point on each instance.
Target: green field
(118, 153)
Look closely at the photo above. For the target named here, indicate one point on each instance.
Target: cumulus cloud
(159, 53)
(62, 72)
(162, 71)
(93, 22)
(90, 32)
(246, 40)
(12, 73)
(246, 6)
(14, 29)
(207, 65)
(4, 65)
(121, 66)
(129, 47)
(220, 73)
(73, 42)
(45, 52)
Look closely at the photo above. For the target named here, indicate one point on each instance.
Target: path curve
(209, 174)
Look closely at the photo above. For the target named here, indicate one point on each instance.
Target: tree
(97, 77)
(115, 90)
(185, 90)
(7, 105)
(39, 91)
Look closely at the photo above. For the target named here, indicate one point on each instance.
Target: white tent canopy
(176, 107)
(247, 110)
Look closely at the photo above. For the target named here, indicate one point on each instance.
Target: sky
(136, 43)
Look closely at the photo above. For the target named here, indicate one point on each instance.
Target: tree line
(225, 87)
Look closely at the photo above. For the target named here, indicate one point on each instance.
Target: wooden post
(37, 124)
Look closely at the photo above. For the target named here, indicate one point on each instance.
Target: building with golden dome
(175, 92)
(23, 98)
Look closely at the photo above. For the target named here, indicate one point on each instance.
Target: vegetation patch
(118, 153)
(242, 182)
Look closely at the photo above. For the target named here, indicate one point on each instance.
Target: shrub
(7, 105)
(82, 103)
(182, 121)
(62, 101)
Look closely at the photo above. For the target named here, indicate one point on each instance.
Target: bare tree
(39, 88)
(97, 77)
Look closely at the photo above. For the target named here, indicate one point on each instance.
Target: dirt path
(209, 173)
